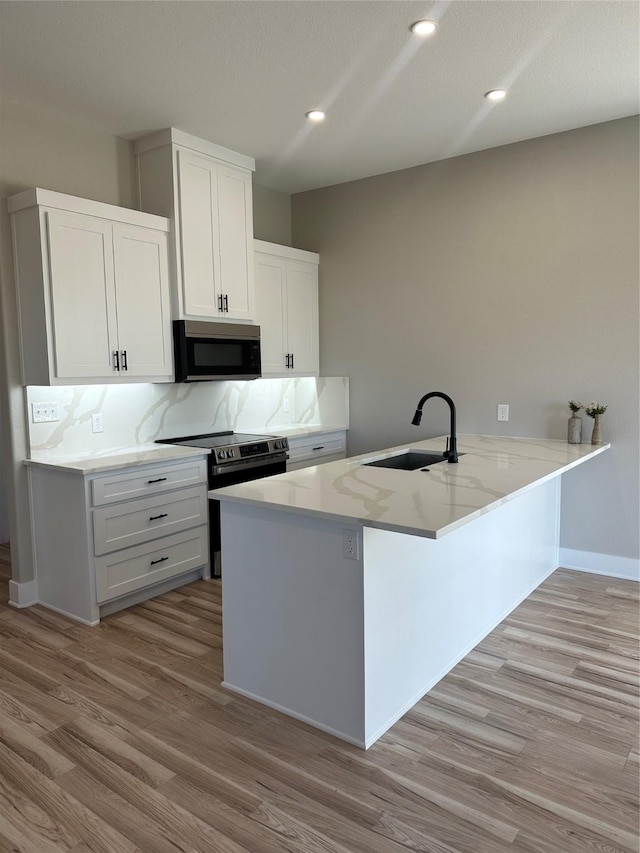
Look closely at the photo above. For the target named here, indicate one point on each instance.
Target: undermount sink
(410, 460)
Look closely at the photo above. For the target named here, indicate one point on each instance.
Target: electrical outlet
(42, 413)
(97, 422)
(350, 544)
(503, 411)
(285, 405)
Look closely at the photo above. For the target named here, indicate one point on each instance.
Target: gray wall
(506, 276)
(4, 505)
(271, 215)
(39, 150)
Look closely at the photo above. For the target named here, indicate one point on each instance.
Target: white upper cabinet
(287, 309)
(206, 191)
(92, 291)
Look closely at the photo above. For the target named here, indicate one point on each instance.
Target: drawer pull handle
(155, 517)
(159, 480)
(320, 447)
(160, 560)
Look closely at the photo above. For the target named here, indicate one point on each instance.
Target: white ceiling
(242, 74)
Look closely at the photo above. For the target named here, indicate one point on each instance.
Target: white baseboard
(302, 717)
(23, 594)
(626, 568)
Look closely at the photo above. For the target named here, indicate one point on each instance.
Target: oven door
(205, 351)
(238, 474)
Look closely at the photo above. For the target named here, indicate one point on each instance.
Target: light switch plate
(42, 413)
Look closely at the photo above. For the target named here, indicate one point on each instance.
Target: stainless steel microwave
(206, 350)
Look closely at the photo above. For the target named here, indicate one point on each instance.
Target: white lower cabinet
(308, 450)
(286, 282)
(105, 541)
(137, 568)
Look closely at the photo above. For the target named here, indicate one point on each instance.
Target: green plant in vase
(574, 429)
(595, 410)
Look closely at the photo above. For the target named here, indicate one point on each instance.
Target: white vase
(574, 431)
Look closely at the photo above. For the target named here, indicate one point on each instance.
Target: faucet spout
(451, 452)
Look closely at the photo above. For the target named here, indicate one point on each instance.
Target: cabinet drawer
(133, 522)
(148, 481)
(308, 463)
(316, 447)
(143, 565)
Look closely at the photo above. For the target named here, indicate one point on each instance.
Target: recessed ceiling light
(315, 115)
(424, 28)
(496, 95)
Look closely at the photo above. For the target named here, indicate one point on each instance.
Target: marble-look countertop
(99, 461)
(491, 471)
(298, 430)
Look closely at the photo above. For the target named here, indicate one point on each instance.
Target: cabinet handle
(124, 360)
(292, 361)
(287, 361)
(116, 360)
(320, 447)
(160, 560)
(226, 303)
(155, 517)
(220, 308)
(159, 480)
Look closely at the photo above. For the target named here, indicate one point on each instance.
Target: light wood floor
(119, 738)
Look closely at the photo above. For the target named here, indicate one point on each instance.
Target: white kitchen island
(349, 591)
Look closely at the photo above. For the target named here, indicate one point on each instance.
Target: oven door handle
(245, 465)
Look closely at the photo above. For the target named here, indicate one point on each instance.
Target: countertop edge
(117, 459)
(300, 431)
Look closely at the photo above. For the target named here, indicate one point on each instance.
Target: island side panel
(293, 617)
(429, 602)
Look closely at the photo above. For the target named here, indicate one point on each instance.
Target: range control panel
(250, 450)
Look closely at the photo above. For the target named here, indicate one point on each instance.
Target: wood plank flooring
(119, 738)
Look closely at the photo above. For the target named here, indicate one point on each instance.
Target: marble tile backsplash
(138, 414)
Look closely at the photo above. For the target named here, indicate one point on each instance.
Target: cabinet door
(199, 243)
(82, 295)
(270, 275)
(235, 217)
(142, 299)
(302, 317)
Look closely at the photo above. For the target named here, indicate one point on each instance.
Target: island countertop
(491, 471)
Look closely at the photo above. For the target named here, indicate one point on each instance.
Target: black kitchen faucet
(451, 452)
